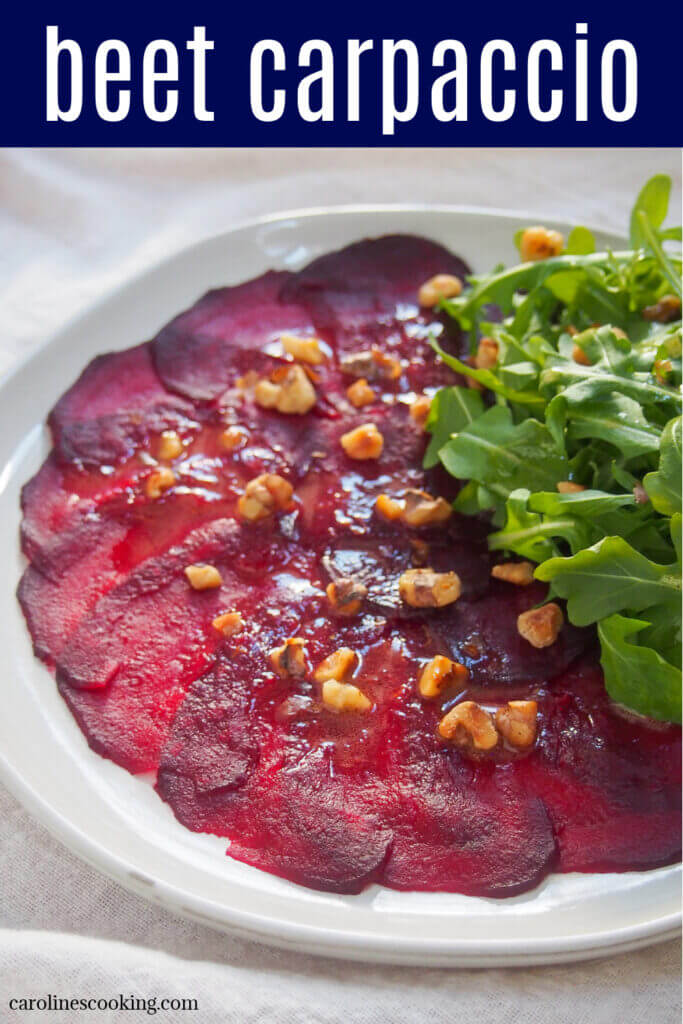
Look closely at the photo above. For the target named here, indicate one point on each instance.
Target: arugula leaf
(636, 676)
(504, 456)
(489, 380)
(617, 419)
(580, 242)
(664, 485)
(653, 201)
(531, 535)
(609, 577)
(451, 410)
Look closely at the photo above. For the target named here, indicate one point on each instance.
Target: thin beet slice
(197, 353)
(610, 780)
(114, 406)
(483, 635)
(125, 669)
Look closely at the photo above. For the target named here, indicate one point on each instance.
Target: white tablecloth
(73, 224)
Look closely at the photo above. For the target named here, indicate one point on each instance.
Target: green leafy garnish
(586, 389)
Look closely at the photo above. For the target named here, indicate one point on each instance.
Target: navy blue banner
(348, 74)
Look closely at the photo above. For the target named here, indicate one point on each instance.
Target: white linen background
(74, 223)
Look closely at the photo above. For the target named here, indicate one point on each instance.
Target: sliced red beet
(610, 780)
(197, 354)
(333, 800)
(116, 404)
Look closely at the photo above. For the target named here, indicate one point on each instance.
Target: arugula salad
(569, 436)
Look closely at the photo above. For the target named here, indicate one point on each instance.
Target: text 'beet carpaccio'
(245, 581)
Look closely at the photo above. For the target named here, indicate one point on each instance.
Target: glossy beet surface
(332, 800)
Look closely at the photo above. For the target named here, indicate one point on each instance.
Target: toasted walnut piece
(363, 443)
(661, 369)
(579, 356)
(487, 354)
(337, 665)
(170, 445)
(519, 573)
(569, 487)
(539, 243)
(290, 659)
(229, 623)
(663, 312)
(541, 626)
(516, 722)
(441, 286)
(438, 674)
(371, 364)
(292, 391)
(346, 595)
(158, 482)
(571, 330)
(233, 438)
(247, 381)
(388, 508)
(264, 496)
(421, 509)
(424, 588)
(298, 394)
(203, 577)
(469, 725)
(306, 350)
(267, 394)
(344, 697)
(640, 494)
(360, 393)
(419, 409)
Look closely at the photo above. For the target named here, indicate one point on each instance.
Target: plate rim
(307, 937)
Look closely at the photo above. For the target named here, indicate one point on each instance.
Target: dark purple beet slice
(610, 780)
(197, 354)
(113, 408)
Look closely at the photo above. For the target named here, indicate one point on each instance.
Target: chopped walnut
(540, 243)
(346, 595)
(170, 445)
(569, 487)
(579, 356)
(203, 577)
(363, 443)
(306, 350)
(663, 312)
(264, 496)
(541, 626)
(421, 509)
(441, 286)
(229, 623)
(233, 438)
(337, 665)
(419, 409)
(360, 393)
(661, 369)
(290, 659)
(469, 726)
(519, 573)
(516, 722)
(158, 482)
(344, 697)
(371, 364)
(438, 674)
(291, 393)
(640, 494)
(424, 588)
(487, 354)
(417, 508)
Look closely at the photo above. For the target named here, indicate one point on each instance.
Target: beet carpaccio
(244, 580)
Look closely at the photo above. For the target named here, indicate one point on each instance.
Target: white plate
(116, 821)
